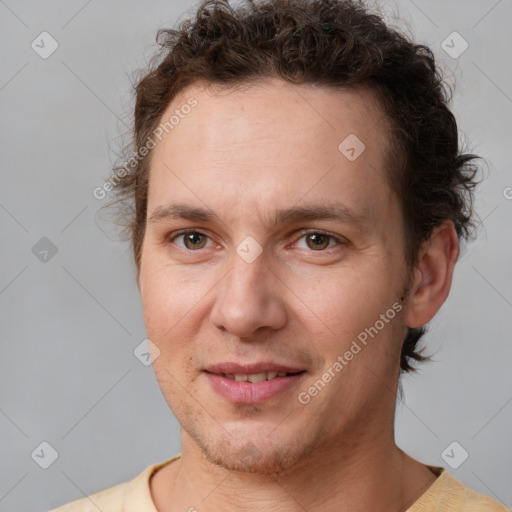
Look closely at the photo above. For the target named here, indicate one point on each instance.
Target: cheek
(167, 298)
(343, 301)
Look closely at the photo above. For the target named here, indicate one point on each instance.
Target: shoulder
(110, 499)
(448, 494)
(130, 496)
(470, 500)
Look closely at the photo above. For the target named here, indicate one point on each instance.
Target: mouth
(253, 387)
(255, 377)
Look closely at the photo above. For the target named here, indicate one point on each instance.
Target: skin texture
(243, 154)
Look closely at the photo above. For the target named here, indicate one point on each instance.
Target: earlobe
(433, 275)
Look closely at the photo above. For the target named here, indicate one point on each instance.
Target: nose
(250, 297)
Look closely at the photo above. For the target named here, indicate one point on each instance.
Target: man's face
(297, 293)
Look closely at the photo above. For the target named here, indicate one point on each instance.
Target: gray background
(70, 324)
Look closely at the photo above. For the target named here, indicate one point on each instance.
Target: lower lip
(252, 392)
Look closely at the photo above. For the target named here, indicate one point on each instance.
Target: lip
(252, 393)
(245, 369)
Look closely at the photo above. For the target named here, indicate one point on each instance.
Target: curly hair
(331, 43)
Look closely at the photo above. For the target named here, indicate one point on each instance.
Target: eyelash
(302, 233)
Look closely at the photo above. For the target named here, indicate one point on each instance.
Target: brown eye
(192, 240)
(318, 241)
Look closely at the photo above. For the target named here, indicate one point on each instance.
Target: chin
(247, 460)
(259, 457)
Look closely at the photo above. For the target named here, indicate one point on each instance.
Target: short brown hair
(332, 43)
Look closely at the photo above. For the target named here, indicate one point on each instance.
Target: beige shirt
(446, 494)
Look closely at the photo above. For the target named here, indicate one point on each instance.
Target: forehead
(269, 106)
(271, 143)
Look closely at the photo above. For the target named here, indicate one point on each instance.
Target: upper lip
(247, 369)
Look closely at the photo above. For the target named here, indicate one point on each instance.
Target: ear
(433, 275)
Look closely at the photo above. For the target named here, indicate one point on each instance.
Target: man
(299, 198)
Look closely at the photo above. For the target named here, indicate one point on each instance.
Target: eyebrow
(336, 211)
